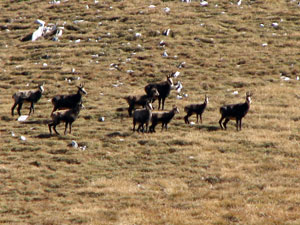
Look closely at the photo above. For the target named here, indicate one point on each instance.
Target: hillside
(190, 174)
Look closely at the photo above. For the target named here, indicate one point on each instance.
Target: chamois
(235, 111)
(68, 101)
(31, 96)
(163, 88)
(162, 117)
(67, 116)
(141, 100)
(197, 109)
(142, 116)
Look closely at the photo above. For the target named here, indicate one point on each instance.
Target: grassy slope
(187, 175)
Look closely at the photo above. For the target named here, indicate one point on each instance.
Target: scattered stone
(74, 144)
(101, 119)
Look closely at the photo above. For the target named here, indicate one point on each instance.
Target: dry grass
(186, 175)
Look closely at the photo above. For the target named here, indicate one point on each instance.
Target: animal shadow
(209, 128)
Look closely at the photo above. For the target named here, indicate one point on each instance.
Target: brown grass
(186, 175)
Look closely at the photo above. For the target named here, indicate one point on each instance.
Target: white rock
(13, 134)
(264, 44)
(179, 97)
(261, 25)
(275, 24)
(152, 6)
(74, 144)
(101, 119)
(23, 138)
(138, 34)
(45, 64)
(167, 9)
(176, 74)
(22, 118)
(235, 93)
(204, 3)
(165, 54)
(77, 41)
(192, 123)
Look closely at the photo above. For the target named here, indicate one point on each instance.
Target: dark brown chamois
(197, 109)
(163, 88)
(67, 116)
(141, 100)
(31, 96)
(142, 116)
(235, 111)
(68, 101)
(162, 117)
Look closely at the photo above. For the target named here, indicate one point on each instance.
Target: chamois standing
(67, 116)
(142, 116)
(162, 117)
(163, 88)
(197, 109)
(235, 111)
(68, 101)
(31, 96)
(141, 100)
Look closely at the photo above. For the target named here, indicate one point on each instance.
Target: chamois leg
(31, 108)
(159, 101)
(13, 108)
(186, 118)
(66, 127)
(50, 125)
(54, 128)
(130, 108)
(147, 124)
(201, 118)
(220, 122)
(225, 122)
(70, 127)
(163, 104)
(19, 108)
(240, 124)
(133, 125)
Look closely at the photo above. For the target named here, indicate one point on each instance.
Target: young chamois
(142, 116)
(197, 109)
(141, 100)
(163, 88)
(236, 111)
(31, 96)
(162, 117)
(67, 116)
(68, 101)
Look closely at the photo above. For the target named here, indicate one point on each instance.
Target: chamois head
(206, 99)
(81, 89)
(175, 109)
(41, 87)
(154, 92)
(169, 79)
(248, 97)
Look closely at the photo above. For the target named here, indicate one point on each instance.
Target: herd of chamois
(66, 108)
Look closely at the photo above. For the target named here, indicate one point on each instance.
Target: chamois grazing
(235, 111)
(141, 100)
(162, 117)
(163, 88)
(142, 116)
(197, 109)
(67, 116)
(31, 96)
(68, 101)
